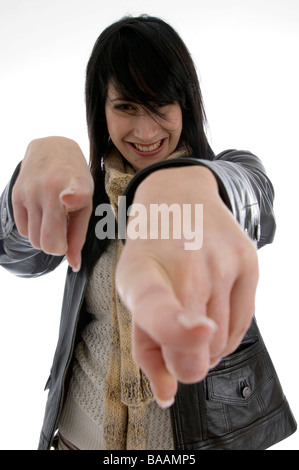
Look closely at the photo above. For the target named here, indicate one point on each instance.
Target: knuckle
(239, 332)
(235, 340)
(218, 346)
(35, 242)
(52, 183)
(52, 243)
(191, 368)
(194, 375)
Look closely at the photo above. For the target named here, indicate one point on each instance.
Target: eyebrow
(116, 99)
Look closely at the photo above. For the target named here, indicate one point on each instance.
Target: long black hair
(148, 63)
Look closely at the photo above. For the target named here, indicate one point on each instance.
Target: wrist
(183, 184)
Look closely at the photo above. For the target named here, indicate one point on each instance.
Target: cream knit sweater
(82, 417)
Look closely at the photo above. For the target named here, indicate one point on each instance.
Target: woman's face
(142, 137)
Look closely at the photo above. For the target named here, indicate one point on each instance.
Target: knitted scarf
(127, 388)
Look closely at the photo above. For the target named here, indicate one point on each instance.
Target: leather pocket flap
(240, 384)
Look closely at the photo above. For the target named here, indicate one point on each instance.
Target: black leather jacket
(240, 404)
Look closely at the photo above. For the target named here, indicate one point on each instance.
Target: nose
(146, 128)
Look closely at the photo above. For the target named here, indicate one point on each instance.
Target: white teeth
(150, 148)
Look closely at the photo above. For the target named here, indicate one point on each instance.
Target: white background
(246, 52)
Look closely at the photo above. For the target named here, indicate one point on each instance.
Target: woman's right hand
(52, 197)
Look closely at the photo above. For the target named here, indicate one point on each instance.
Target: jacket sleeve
(16, 253)
(243, 185)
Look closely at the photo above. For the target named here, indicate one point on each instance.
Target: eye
(160, 104)
(162, 107)
(125, 108)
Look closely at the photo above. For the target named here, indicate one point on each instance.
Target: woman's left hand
(189, 308)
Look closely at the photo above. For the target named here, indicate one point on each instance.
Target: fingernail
(67, 192)
(77, 266)
(190, 322)
(164, 403)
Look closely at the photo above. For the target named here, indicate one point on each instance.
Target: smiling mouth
(148, 148)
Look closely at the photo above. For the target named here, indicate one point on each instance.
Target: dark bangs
(144, 66)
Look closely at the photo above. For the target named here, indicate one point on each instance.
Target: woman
(158, 347)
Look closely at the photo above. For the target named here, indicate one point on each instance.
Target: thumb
(72, 199)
